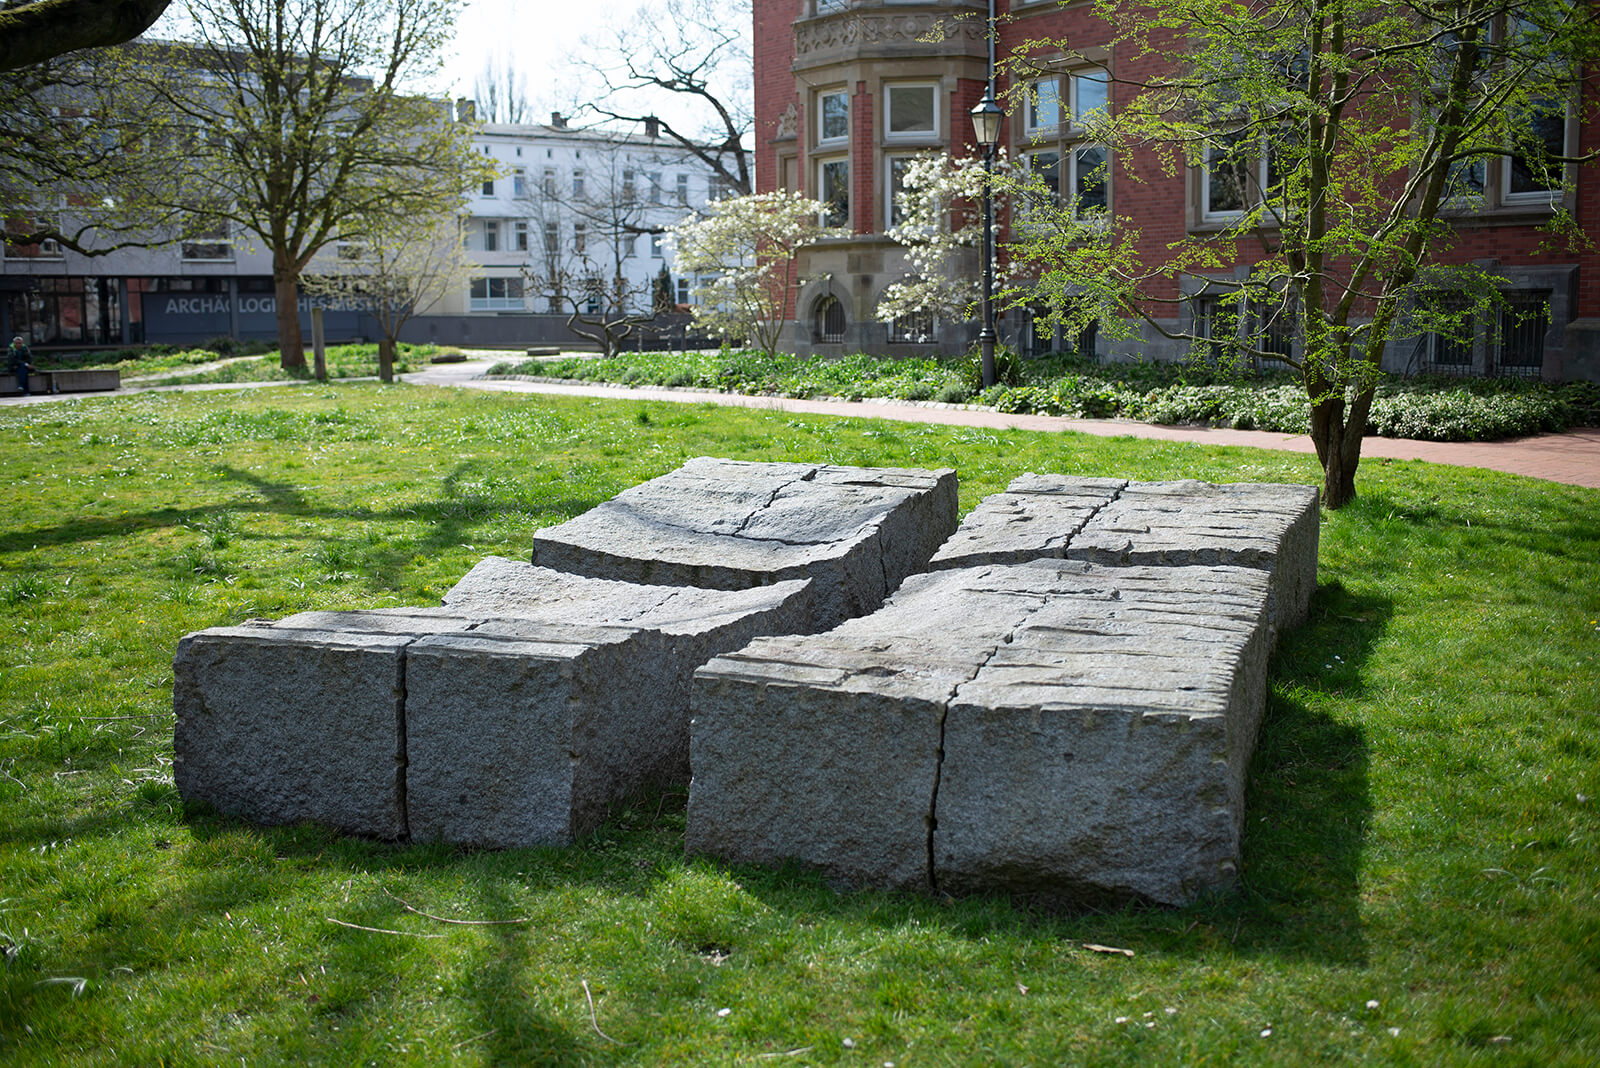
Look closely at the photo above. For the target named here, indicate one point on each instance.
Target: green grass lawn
(1421, 877)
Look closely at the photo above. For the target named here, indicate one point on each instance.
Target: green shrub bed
(1171, 393)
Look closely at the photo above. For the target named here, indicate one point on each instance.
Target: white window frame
(890, 135)
(1076, 81)
(489, 302)
(1248, 198)
(489, 234)
(519, 235)
(889, 190)
(1539, 197)
(823, 137)
(822, 165)
(1039, 92)
(519, 183)
(224, 238)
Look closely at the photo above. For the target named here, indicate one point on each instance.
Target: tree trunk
(287, 294)
(386, 359)
(1338, 450)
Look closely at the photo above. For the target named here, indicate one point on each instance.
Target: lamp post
(986, 125)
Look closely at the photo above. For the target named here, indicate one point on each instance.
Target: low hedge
(1173, 393)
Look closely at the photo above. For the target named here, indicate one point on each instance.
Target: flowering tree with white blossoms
(940, 206)
(744, 249)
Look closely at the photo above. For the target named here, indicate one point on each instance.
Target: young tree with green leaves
(393, 272)
(303, 127)
(1337, 142)
(744, 251)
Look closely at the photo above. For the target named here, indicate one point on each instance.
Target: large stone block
(513, 716)
(1185, 523)
(279, 725)
(856, 532)
(1054, 727)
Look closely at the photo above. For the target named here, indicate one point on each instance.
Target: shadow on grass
(461, 503)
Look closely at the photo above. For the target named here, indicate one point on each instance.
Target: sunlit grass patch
(1421, 829)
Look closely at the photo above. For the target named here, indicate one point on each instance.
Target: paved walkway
(1572, 458)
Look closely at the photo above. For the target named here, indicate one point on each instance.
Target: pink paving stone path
(1572, 458)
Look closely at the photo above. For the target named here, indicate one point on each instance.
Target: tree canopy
(1333, 145)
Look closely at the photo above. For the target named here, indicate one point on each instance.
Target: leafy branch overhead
(33, 31)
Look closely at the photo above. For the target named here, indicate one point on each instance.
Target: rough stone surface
(1032, 520)
(1055, 727)
(857, 532)
(512, 716)
(1185, 523)
(278, 725)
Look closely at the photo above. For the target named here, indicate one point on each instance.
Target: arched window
(829, 320)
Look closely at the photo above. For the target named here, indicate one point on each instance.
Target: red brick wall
(773, 50)
(1155, 201)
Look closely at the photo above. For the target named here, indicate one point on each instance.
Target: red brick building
(847, 89)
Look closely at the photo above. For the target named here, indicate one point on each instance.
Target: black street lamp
(986, 126)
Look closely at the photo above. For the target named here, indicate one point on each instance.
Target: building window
(550, 182)
(1088, 180)
(629, 246)
(833, 117)
(1046, 167)
(685, 290)
(496, 294)
(519, 183)
(1089, 94)
(1229, 178)
(893, 209)
(203, 241)
(828, 320)
(912, 112)
(1524, 321)
(491, 235)
(1216, 325)
(652, 182)
(655, 246)
(833, 189)
(911, 329)
(521, 235)
(580, 238)
(683, 189)
(1532, 172)
(1044, 105)
(488, 188)
(718, 187)
(552, 239)
(627, 187)
(828, 7)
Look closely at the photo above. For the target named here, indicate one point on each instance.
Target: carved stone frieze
(921, 33)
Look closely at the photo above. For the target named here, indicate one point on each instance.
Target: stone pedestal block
(279, 725)
(1055, 727)
(1259, 525)
(856, 532)
(514, 716)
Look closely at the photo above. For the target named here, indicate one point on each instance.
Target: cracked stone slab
(1182, 523)
(1055, 727)
(1033, 519)
(856, 532)
(513, 716)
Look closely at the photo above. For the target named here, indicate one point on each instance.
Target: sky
(540, 37)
